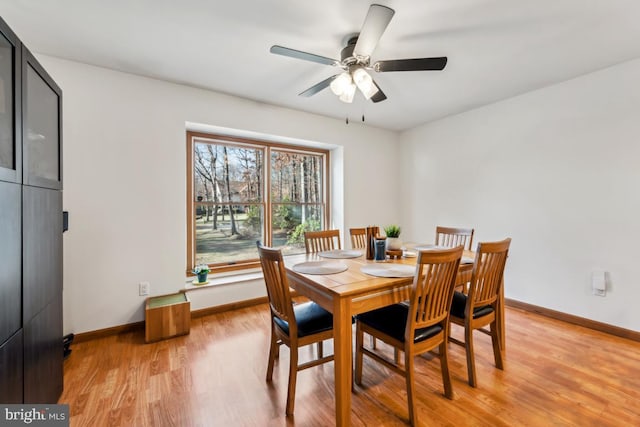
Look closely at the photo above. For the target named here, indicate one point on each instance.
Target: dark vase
(202, 277)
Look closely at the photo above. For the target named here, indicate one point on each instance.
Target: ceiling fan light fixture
(348, 94)
(341, 84)
(364, 82)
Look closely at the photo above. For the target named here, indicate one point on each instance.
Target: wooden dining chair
(324, 240)
(478, 308)
(453, 236)
(418, 327)
(358, 238)
(292, 325)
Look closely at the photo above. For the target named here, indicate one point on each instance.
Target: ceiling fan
(355, 60)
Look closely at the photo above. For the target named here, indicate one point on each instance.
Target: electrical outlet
(599, 283)
(144, 288)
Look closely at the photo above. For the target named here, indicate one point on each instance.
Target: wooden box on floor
(167, 316)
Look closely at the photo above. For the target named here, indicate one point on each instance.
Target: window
(229, 207)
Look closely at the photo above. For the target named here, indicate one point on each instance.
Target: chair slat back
(488, 270)
(318, 241)
(452, 237)
(432, 290)
(358, 238)
(275, 278)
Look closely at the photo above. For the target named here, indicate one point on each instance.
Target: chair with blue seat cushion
(294, 325)
(478, 307)
(418, 327)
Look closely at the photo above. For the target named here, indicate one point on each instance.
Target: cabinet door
(10, 256)
(10, 106)
(11, 369)
(43, 355)
(41, 125)
(41, 248)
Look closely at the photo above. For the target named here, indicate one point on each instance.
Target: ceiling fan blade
(378, 96)
(417, 64)
(318, 87)
(374, 25)
(298, 54)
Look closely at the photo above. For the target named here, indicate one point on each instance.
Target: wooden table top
(353, 281)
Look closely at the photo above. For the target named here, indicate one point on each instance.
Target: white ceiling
(496, 48)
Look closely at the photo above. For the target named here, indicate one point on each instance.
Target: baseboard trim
(576, 320)
(131, 327)
(228, 307)
(107, 332)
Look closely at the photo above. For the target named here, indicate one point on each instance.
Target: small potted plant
(393, 237)
(201, 270)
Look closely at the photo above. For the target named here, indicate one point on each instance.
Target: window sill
(222, 279)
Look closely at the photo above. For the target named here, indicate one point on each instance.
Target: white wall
(124, 166)
(558, 171)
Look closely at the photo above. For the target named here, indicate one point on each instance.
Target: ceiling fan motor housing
(346, 55)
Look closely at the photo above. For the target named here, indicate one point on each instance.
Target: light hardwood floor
(556, 374)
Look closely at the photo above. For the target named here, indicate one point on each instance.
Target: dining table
(347, 291)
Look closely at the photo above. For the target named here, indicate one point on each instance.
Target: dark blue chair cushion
(460, 301)
(311, 319)
(392, 320)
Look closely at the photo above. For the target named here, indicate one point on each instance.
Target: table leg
(342, 360)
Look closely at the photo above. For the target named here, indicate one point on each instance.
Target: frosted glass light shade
(364, 82)
(348, 94)
(341, 84)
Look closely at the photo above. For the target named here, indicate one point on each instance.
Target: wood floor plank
(555, 374)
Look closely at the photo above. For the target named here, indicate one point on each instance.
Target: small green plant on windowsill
(202, 271)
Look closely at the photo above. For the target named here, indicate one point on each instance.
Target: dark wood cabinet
(43, 354)
(41, 248)
(11, 257)
(10, 105)
(11, 371)
(31, 329)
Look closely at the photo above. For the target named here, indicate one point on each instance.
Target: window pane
(234, 173)
(296, 177)
(225, 238)
(289, 223)
(41, 124)
(6, 104)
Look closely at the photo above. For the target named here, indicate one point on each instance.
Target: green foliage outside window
(297, 236)
(285, 217)
(253, 219)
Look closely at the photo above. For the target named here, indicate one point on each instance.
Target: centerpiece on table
(202, 271)
(393, 237)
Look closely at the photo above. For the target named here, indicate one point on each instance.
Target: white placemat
(427, 247)
(340, 253)
(466, 260)
(320, 267)
(389, 270)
